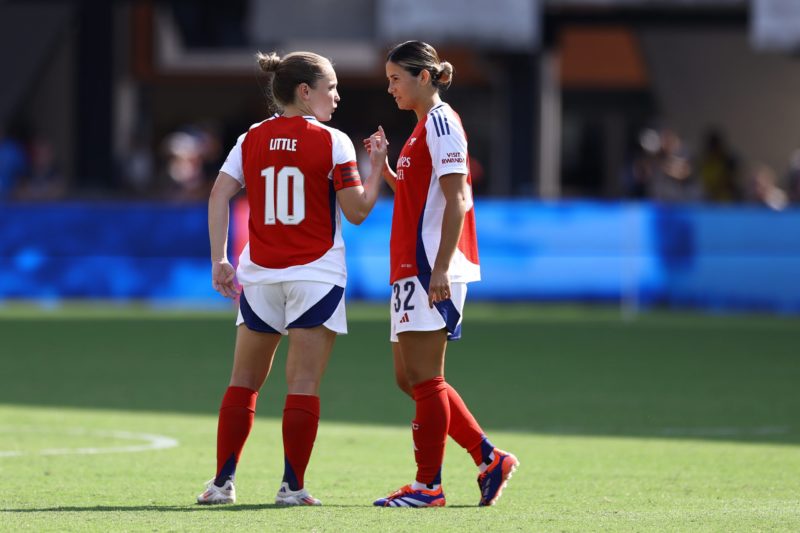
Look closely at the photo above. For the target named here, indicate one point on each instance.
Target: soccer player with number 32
(434, 254)
(297, 173)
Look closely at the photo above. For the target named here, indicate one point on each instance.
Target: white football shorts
(278, 307)
(410, 310)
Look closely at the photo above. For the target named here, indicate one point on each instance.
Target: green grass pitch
(668, 422)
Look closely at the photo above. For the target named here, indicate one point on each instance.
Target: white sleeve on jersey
(233, 164)
(343, 149)
(446, 142)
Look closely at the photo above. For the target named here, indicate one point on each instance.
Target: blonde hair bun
(445, 73)
(268, 62)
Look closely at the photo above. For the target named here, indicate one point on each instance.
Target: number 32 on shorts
(405, 300)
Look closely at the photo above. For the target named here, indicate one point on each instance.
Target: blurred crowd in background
(662, 168)
(181, 167)
(28, 168)
(185, 163)
(674, 101)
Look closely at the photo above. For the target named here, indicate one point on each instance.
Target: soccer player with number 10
(298, 173)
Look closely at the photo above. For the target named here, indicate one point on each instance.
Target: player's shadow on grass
(168, 508)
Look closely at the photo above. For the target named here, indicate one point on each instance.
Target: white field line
(151, 442)
(10, 454)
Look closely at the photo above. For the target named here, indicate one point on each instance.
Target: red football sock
(300, 422)
(236, 416)
(464, 429)
(430, 428)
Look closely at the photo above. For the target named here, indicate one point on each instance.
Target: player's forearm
(452, 224)
(389, 176)
(366, 200)
(372, 189)
(218, 216)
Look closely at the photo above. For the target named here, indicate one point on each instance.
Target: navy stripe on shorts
(251, 319)
(447, 309)
(321, 311)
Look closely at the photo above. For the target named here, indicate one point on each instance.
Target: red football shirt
(436, 147)
(292, 168)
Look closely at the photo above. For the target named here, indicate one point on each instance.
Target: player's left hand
(223, 279)
(439, 289)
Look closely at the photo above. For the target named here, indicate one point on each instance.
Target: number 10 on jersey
(281, 193)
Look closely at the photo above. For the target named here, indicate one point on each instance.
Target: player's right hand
(379, 137)
(438, 287)
(223, 278)
(368, 143)
(377, 145)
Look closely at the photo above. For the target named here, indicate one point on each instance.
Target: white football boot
(214, 495)
(294, 497)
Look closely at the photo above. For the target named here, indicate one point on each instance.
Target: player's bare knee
(402, 383)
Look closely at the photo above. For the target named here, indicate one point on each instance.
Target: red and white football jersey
(437, 146)
(292, 168)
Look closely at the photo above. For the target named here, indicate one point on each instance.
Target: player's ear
(303, 90)
(424, 77)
